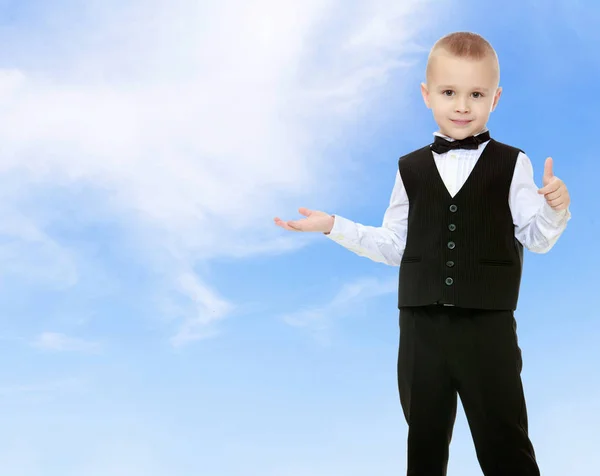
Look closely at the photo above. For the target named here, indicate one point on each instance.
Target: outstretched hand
(315, 221)
(554, 189)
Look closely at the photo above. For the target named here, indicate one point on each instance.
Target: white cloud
(318, 319)
(57, 342)
(28, 253)
(190, 123)
(209, 308)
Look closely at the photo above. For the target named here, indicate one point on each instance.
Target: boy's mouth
(460, 122)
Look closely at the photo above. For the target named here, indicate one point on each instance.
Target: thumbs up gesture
(554, 189)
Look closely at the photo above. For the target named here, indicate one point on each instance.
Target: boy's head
(461, 88)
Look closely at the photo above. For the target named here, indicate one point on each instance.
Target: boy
(461, 211)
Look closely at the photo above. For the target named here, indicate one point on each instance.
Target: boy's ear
(496, 98)
(425, 94)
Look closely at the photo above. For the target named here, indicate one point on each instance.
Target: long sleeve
(537, 225)
(383, 244)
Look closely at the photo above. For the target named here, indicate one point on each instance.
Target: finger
(548, 173)
(556, 202)
(284, 224)
(554, 195)
(551, 187)
(295, 225)
(304, 211)
(559, 207)
(288, 227)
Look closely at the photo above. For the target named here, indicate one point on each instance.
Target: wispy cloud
(57, 342)
(188, 126)
(208, 309)
(30, 254)
(318, 319)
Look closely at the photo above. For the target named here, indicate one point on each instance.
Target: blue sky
(155, 321)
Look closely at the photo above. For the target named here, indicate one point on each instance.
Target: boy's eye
(449, 92)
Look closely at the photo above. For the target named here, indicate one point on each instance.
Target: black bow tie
(441, 145)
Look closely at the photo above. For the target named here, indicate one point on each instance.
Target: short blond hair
(464, 44)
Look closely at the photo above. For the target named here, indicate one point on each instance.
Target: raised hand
(314, 221)
(554, 189)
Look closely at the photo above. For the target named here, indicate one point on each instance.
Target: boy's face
(462, 93)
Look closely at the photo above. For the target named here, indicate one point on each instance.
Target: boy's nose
(461, 106)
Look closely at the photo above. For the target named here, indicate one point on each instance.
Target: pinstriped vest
(460, 250)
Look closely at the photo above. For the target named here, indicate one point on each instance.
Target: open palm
(315, 221)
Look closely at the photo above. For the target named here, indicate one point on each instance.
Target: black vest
(461, 250)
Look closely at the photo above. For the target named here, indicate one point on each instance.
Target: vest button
(453, 208)
(452, 227)
(450, 264)
(451, 245)
(449, 281)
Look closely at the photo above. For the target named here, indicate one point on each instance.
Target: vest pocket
(496, 262)
(410, 259)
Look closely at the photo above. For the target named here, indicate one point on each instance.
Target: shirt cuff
(341, 230)
(554, 217)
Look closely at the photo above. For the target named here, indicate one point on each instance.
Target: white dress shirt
(537, 225)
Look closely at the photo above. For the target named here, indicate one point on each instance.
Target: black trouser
(447, 351)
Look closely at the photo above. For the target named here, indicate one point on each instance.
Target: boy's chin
(457, 132)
